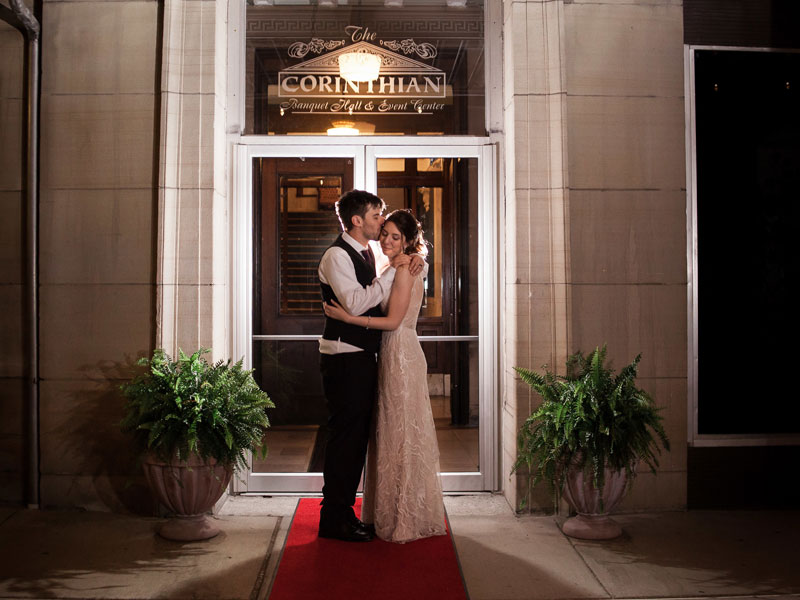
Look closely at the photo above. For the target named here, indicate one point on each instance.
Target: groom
(348, 358)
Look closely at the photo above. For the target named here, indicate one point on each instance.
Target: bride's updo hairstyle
(411, 230)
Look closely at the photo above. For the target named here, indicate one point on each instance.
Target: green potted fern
(587, 437)
(193, 423)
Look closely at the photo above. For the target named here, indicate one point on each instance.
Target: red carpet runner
(312, 567)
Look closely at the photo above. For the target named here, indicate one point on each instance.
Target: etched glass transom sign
(365, 70)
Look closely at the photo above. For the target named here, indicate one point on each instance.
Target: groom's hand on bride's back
(416, 265)
(400, 260)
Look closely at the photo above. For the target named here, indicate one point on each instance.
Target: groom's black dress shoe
(369, 527)
(345, 531)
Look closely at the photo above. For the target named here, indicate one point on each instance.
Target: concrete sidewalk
(63, 554)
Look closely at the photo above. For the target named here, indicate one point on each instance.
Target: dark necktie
(369, 256)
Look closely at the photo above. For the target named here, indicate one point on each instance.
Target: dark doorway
(748, 177)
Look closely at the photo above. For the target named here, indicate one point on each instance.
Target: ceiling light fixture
(360, 65)
(343, 128)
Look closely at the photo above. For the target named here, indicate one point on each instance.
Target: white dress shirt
(336, 269)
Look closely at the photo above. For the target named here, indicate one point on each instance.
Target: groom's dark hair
(355, 203)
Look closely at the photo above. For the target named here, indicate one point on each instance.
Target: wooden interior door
(295, 222)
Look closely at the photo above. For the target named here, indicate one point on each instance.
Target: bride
(402, 489)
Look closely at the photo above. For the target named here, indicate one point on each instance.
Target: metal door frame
(365, 153)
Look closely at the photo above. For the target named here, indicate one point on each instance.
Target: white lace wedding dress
(402, 489)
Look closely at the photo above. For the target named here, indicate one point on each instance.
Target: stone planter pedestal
(189, 490)
(592, 521)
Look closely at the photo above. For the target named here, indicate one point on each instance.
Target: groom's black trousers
(349, 381)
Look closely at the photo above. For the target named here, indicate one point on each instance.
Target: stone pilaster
(536, 213)
(192, 252)
(13, 363)
(628, 208)
(98, 174)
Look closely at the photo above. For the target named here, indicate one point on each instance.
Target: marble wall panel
(544, 67)
(513, 404)
(188, 139)
(219, 143)
(523, 233)
(189, 47)
(12, 134)
(620, 128)
(193, 238)
(534, 329)
(100, 48)
(188, 251)
(626, 143)
(533, 45)
(12, 56)
(539, 142)
(12, 405)
(12, 237)
(509, 142)
(12, 349)
(623, 236)
(12, 438)
(512, 56)
(80, 422)
(12, 115)
(186, 318)
(11, 488)
(221, 69)
(536, 238)
(98, 141)
(671, 396)
(220, 296)
(633, 319)
(97, 236)
(664, 491)
(12, 273)
(518, 143)
(84, 328)
(631, 49)
(11, 453)
(219, 232)
(508, 480)
(537, 499)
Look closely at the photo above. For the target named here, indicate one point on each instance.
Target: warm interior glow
(359, 66)
(343, 128)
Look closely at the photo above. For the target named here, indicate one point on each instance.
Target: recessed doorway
(291, 191)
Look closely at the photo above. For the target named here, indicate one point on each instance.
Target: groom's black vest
(367, 339)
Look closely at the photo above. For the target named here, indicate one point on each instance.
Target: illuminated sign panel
(429, 80)
(404, 85)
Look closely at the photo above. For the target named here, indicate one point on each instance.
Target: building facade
(181, 140)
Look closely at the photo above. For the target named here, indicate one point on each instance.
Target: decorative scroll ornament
(409, 46)
(316, 45)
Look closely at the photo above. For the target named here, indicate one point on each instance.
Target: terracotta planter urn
(189, 490)
(592, 521)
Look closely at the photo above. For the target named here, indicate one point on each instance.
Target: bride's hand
(335, 311)
(400, 260)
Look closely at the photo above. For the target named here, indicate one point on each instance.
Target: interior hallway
(708, 554)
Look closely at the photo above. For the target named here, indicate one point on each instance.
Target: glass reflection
(292, 196)
(430, 82)
(296, 439)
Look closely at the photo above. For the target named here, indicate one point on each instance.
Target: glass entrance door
(292, 191)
